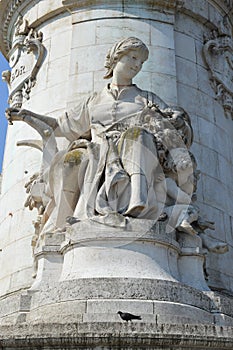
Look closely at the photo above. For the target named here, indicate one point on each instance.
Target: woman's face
(129, 65)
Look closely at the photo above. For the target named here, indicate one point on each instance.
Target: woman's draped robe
(113, 169)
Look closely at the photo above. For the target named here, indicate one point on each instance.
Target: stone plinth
(74, 302)
(139, 336)
(110, 252)
(73, 313)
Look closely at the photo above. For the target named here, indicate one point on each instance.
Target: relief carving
(25, 60)
(11, 9)
(218, 53)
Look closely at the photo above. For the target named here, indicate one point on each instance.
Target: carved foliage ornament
(218, 53)
(25, 59)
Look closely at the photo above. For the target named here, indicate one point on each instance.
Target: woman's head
(122, 48)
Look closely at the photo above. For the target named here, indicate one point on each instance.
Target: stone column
(74, 299)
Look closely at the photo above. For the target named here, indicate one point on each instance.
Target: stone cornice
(86, 3)
(225, 5)
(7, 10)
(202, 10)
(10, 8)
(228, 4)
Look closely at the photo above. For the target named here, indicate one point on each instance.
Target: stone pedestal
(85, 277)
(110, 270)
(109, 252)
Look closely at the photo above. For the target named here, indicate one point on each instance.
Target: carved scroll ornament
(25, 59)
(218, 53)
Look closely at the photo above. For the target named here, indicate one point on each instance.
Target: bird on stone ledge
(128, 317)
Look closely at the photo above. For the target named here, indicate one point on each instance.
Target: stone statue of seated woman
(121, 139)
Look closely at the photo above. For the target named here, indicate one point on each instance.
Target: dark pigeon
(163, 217)
(128, 317)
(71, 220)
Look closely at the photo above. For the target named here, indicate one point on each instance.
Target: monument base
(70, 315)
(84, 278)
(106, 336)
(139, 249)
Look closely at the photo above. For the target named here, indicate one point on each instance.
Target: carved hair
(120, 49)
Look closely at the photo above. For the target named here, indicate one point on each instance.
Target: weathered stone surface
(106, 335)
(120, 288)
(63, 312)
(159, 35)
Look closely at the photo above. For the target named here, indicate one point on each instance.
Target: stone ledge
(15, 303)
(106, 335)
(166, 4)
(121, 288)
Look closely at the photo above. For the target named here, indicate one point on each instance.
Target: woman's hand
(14, 114)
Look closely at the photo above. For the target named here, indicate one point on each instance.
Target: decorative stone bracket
(218, 53)
(25, 60)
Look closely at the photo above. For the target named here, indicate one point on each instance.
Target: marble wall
(76, 38)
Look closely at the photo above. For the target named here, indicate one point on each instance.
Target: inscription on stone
(25, 59)
(17, 72)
